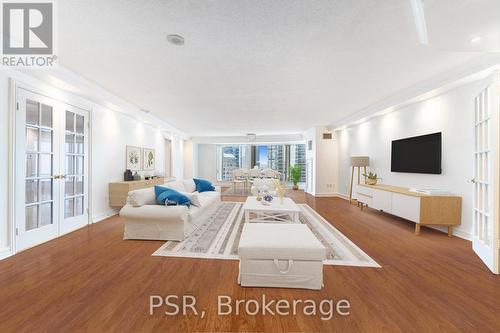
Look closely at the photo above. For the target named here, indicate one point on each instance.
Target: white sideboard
(420, 208)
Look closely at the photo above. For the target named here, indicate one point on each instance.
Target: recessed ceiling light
(476, 39)
(175, 40)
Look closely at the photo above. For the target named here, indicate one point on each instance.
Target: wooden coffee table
(286, 212)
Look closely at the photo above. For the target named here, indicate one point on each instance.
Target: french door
(485, 187)
(51, 168)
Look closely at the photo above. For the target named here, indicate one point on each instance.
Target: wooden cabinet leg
(450, 231)
(417, 229)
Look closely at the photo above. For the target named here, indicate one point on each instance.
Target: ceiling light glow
(476, 39)
(418, 14)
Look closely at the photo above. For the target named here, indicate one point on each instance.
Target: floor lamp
(358, 161)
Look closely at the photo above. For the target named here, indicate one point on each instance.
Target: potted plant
(295, 174)
(371, 178)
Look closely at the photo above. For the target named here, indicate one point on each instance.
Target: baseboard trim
(103, 216)
(456, 232)
(343, 196)
(330, 195)
(5, 252)
(325, 195)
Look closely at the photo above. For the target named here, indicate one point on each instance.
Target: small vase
(371, 181)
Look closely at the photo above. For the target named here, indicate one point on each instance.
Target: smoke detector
(176, 40)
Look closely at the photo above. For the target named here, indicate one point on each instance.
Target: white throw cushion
(177, 185)
(279, 241)
(189, 185)
(208, 198)
(139, 198)
(193, 197)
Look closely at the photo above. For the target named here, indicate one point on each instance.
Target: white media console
(423, 209)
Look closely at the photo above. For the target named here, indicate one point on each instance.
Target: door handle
(473, 180)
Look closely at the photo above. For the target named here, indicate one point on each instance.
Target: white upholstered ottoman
(280, 255)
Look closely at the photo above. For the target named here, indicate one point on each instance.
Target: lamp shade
(360, 161)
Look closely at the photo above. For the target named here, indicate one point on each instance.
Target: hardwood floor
(92, 280)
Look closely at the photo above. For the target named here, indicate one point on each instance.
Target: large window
(277, 157)
(230, 161)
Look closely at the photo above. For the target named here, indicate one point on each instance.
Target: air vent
(327, 136)
(251, 137)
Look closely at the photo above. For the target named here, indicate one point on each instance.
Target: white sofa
(144, 219)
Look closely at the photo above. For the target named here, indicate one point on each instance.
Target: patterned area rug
(218, 238)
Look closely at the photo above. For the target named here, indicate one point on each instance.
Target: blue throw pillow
(203, 185)
(167, 195)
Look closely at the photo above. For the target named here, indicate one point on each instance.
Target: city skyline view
(278, 157)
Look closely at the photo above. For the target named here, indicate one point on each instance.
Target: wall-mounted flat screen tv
(419, 154)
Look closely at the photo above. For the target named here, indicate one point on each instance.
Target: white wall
(326, 164)
(324, 155)
(452, 114)
(206, 166)
(188, 161)
(4, 163)
(111, 132)
(177, 157)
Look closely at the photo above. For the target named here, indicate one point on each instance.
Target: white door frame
(63, 97)
(485, 218)
(28, 238)
(71, 224)
(496, 175)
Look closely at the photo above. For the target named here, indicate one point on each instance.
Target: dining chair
(253, 174)
(269, 173)
(239, 178)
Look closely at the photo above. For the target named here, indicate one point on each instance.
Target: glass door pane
(74, 195)
(39, 157)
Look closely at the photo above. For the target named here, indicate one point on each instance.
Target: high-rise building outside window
(278, 157)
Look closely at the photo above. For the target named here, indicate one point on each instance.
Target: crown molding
(473, 70)
(70, 82)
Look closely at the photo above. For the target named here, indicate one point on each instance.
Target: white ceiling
(266, 66)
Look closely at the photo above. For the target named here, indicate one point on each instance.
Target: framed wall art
(133, 158)
(148, 159)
